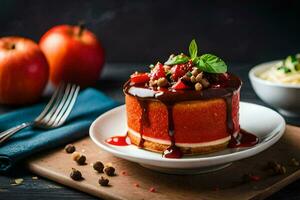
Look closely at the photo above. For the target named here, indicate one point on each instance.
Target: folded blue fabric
(90, 103)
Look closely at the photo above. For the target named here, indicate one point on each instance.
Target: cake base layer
(152, 144)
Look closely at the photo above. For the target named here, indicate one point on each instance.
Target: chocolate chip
(103, 181)
(70, 148)
(110, 171)
(76, 175)
(98, 166)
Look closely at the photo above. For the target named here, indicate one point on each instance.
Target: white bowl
(283, 97)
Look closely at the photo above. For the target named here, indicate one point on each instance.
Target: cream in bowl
(286, 71)
(278, 84)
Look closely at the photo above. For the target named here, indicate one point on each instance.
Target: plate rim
(218, 159)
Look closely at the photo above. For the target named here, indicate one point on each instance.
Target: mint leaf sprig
(179, 59)
(207, 62)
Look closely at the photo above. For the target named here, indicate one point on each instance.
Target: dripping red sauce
(119, 140)
(243, 139)
(172, 152)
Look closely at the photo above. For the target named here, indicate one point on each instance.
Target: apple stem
(81, 28)
(13, 46)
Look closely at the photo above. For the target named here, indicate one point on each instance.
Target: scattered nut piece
(124, 173)
(76, 175)
(75, 155)
(152, 189)
(103, 181)
(98, 166)
(70, 148)
(79, 158)
(198, 87)
(162, 82)
(110, 171)
(136, 185)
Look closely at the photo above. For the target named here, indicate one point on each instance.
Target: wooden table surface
(113, 76)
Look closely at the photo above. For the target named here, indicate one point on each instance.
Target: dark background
(145, 31)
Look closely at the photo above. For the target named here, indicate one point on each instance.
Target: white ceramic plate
(267, 124)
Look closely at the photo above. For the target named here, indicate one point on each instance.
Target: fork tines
(59, 107)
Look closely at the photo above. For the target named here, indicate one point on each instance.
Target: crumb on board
(17, 181)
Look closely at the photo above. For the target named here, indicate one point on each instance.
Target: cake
(188, 105)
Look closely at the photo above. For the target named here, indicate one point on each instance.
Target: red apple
(74, 54)
(24, 71)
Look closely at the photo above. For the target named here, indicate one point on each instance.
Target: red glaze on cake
(189, 105)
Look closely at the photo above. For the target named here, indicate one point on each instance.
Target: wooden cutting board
(223, 184)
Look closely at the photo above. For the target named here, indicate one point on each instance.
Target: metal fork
(54, 114)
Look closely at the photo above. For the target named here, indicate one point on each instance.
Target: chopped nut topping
(198, 87)
(162, 82)
(199, 77)
(195, 71)
(204, 82)
(193, 79)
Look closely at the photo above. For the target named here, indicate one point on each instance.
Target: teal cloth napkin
(90, 103)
